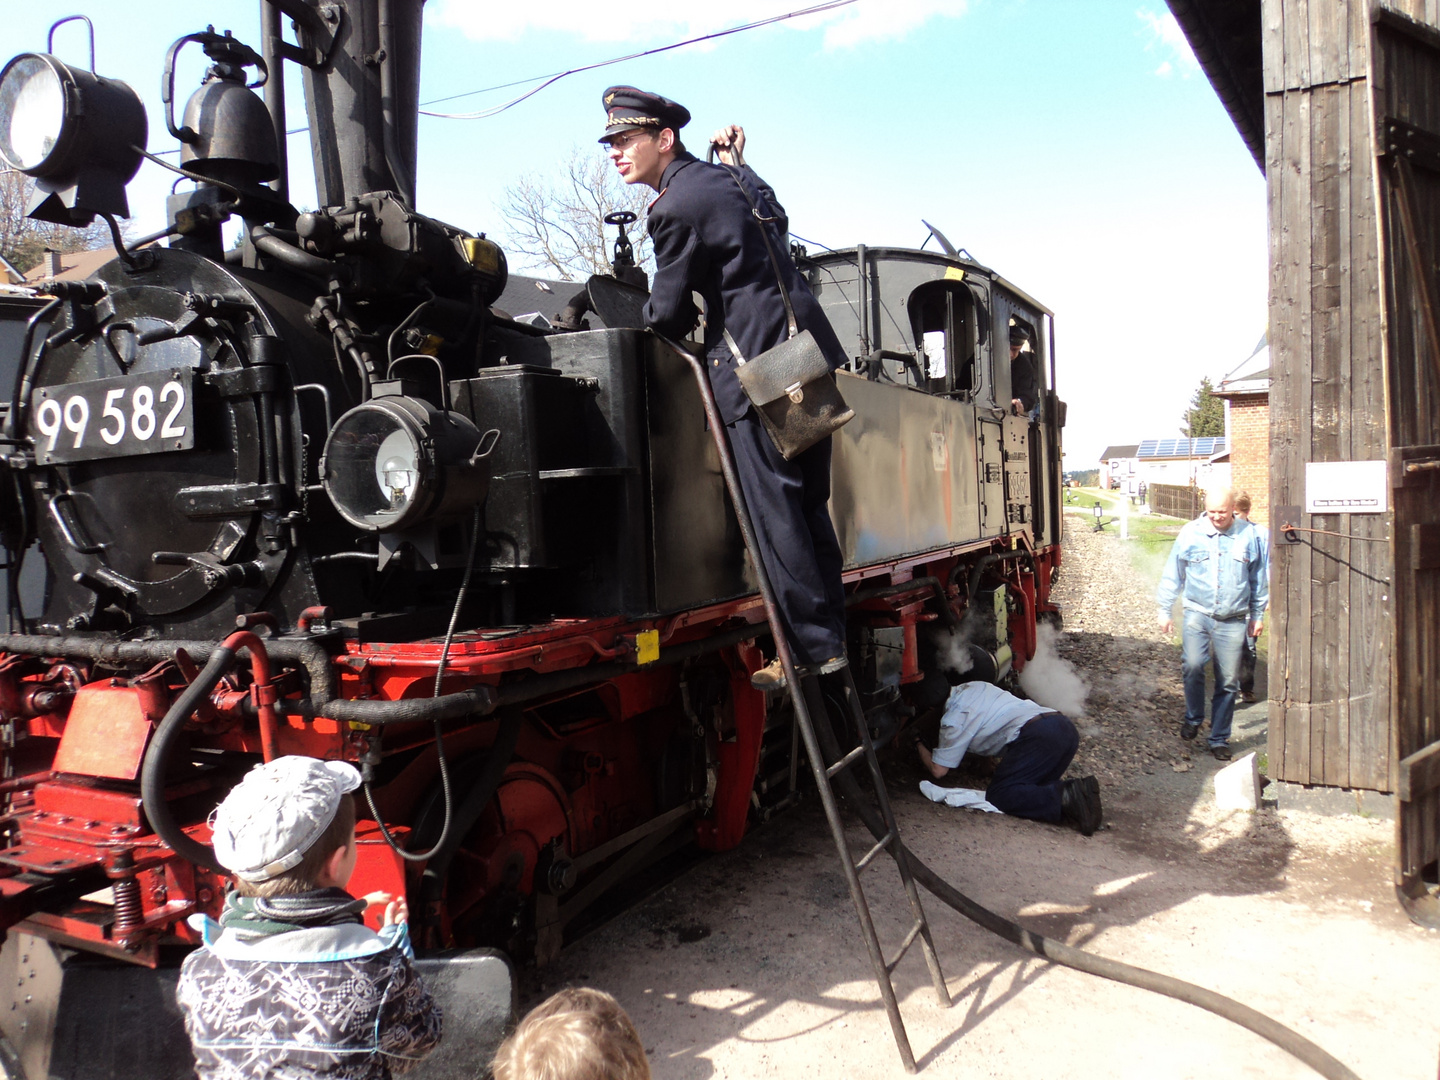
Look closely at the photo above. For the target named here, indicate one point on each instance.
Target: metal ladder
(827, 762)
(804, 695)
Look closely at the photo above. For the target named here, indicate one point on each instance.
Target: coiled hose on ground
(1292, 1042)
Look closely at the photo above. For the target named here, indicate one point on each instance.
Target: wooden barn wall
(1405, 81)
(1331, 605)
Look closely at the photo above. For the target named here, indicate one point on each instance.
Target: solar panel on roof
(1181, 448)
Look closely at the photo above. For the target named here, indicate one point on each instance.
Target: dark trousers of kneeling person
(1027, 781)
(789, 508)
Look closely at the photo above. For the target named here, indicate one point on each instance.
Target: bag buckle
(795, 392)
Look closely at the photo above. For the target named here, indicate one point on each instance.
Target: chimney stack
(53, 264)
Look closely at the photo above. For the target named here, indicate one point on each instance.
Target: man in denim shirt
(1217, 567)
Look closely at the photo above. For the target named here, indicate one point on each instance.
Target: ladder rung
(881, 846)
(905, 946)
(846, 761)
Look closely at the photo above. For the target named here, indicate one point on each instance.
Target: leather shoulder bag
(790, 385)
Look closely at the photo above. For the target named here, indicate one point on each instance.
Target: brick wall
(1250, 451)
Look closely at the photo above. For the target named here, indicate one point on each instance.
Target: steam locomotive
(327, 493)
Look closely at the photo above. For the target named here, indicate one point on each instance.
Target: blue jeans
(1223, 640)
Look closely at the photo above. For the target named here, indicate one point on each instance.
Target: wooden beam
(1419, 773)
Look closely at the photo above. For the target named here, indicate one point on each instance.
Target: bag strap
(735, 349)
(791, 326)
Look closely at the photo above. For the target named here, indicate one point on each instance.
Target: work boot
(772, 675)
(1080, 804)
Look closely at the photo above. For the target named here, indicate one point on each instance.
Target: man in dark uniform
(707, 240)
(1024, 390)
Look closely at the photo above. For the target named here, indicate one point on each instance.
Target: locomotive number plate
(147, 413)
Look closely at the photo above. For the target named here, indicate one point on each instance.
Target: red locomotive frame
(78, 828)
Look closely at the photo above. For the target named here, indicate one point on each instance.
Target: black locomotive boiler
(332, 451)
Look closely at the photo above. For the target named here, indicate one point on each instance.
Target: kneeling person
(1035, 745)
(291, 982)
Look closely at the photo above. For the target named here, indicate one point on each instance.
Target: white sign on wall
(1346, 487)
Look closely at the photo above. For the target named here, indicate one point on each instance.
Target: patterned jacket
(331, 1002)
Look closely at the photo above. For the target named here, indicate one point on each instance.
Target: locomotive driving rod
(1289, 1040)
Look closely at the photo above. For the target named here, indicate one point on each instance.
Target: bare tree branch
(559, 225)
(23, 242)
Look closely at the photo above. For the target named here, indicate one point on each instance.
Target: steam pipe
(310, 655)
(389, 111)
(267, 243)
(261, 692)
(271, 35)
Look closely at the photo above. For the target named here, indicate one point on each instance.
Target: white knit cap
(272, 817)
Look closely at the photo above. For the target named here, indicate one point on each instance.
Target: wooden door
(1405, 90)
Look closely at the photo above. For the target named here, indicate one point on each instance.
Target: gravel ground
(751, 964)
(1136, 700)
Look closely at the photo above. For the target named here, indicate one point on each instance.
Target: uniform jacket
(332, 1002)
(1221, 574)
(982, 719)
(707, 240)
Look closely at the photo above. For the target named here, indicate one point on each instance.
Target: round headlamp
(32, 112)
(396, 462)
(72, 130)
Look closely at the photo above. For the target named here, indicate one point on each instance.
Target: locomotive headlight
(396, 462)
(75, 132)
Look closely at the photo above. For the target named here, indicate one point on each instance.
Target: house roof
(1251, 375)
(532, 295)
(1225, 36)
(1114, 453)
(1180, 449)
(10, 270)
(74, 265)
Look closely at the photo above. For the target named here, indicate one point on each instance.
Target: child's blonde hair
(578, 1034)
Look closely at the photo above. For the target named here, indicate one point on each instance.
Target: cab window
(942, 318)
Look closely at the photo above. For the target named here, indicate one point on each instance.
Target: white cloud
(867, 20)
(1168, 41)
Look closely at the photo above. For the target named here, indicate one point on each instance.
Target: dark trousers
(1247, 665)
(788, 503)
(1027, 782)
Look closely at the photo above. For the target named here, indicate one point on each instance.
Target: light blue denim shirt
(1222, 574)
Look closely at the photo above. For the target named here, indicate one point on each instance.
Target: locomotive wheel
(491, 879)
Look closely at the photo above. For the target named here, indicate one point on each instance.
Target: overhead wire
(554, 77)
(550, 80)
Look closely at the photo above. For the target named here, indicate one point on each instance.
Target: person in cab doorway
(1217, 567)
(708, 240)
(1024, 380)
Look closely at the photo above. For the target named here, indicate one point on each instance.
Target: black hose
(267, 243)
(1289, 1040)
(157, 761)
(309, 654)
(502, 750)
(445, 787)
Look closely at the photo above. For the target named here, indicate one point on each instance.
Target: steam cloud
(952, 647)
(1053, 681)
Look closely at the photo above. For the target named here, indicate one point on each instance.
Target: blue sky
(1073, 145)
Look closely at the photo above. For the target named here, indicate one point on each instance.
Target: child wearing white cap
(291, 982)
